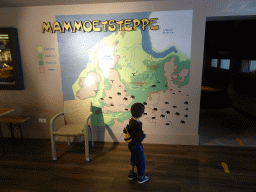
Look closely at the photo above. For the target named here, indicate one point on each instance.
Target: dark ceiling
(236, 36)
(28, 3)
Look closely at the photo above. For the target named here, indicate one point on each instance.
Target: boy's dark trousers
(138, 158)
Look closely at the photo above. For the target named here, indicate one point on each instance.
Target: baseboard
(150, 138)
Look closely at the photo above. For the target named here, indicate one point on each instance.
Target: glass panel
(6, 69)
(253, 66)
(214, 63)
(224, 63)
(245, 66)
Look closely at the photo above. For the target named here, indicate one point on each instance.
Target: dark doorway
(227, 93)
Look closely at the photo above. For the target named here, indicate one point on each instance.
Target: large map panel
(116, 69)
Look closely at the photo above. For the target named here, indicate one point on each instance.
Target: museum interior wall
(42, 55)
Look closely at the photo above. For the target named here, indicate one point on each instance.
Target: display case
(11, 77)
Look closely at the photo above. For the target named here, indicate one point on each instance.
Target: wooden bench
(12, 123)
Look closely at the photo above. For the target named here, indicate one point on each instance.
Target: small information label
(42, 69)
(39, 49)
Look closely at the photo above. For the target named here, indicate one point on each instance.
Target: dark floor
(225, 127)
(27, 166)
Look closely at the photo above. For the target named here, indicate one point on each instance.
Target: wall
(42, 96)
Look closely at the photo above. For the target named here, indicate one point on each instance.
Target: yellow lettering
(56, 26)
(112, 27)
(145, 22)
(97, 29)
(136, 23)
(104, 25)
(120, 24)
(78, 26)
(89, 28)
(127, 22)
(152, 22)
(47, 27)
(66, 26)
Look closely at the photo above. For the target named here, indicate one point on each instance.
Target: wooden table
(5, 111)
(13, 122)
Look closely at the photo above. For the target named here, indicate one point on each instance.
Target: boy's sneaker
(132, 176)
(143, 179)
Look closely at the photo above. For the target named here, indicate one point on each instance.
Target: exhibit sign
(136, 62)
(98, 26)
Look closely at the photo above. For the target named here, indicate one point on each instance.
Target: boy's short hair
(137, 109)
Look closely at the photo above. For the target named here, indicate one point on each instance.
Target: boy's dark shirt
(136, 132)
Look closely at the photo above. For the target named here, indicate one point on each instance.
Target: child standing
(135, 146)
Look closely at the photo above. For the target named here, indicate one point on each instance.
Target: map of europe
(115, 70)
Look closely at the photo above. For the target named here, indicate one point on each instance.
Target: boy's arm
(139, 136)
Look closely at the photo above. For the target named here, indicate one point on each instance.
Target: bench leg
(11, 127)
(1, 133)
(1, 143)
(21, 136)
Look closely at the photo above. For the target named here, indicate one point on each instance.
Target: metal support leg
(1, 133)
(1, 142)
(19, 125)
(11, 127)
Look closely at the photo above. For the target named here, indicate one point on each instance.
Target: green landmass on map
(133, 65)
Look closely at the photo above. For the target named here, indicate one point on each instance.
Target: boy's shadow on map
(101, 147)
